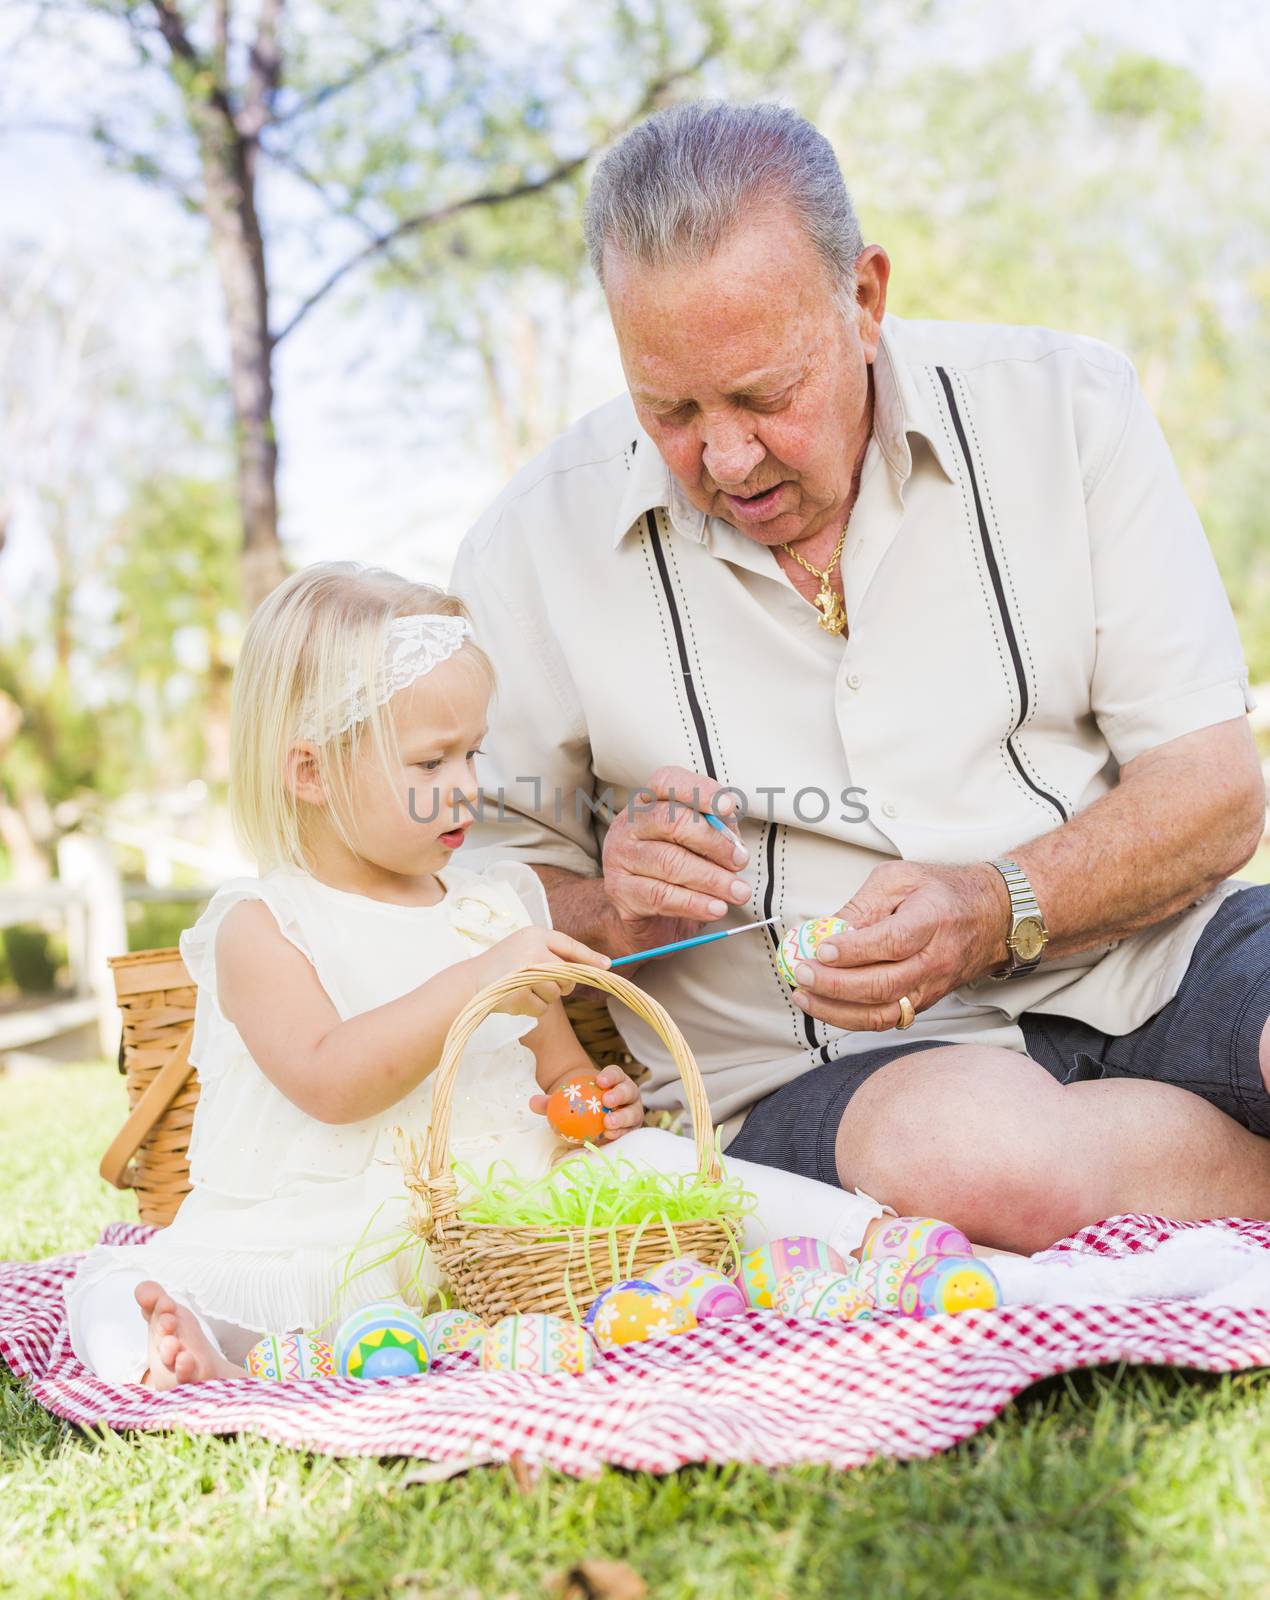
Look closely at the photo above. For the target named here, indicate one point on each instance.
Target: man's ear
(300, 770)
(872, 273)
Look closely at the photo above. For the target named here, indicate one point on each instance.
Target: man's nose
(730, 455)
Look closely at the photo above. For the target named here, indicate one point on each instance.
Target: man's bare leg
(986, 1139)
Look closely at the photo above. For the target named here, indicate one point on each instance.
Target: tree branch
(264, 72)
(140, 162)
(355, 75)
(489, 197)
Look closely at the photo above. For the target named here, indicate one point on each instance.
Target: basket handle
(162, 1090)
(641, 1003)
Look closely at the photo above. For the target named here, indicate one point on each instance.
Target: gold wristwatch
(1028, 934)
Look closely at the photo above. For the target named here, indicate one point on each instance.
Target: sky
(370, 468)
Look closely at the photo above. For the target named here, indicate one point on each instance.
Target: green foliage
(30, 959)
(1134, 1484)
(158, 924)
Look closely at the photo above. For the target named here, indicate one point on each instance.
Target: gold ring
(907, 1015)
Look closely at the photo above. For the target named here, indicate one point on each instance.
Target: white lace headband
(412, 647)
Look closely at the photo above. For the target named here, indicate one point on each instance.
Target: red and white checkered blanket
(750, 1388)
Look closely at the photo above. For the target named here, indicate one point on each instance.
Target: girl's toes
(165, 1321)
(185, 1368)
(147, 1295)
(169, 1348)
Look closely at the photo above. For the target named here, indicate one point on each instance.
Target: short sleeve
(525, 883)
(197, 944)
(539, 749)
(1168, 655)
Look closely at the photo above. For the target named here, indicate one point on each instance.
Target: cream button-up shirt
(1031, 602)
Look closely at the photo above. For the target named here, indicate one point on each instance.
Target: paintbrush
(687, 944)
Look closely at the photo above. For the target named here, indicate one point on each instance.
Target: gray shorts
(1206, 1040)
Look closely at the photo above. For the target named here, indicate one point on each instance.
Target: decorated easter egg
(635, 1285)
(881, 1278)
(445, 1332)
(383, 1340)
(287, 1356)
(626, 1314)
(802, 942)
(762, 1269)
(535, 1341)
(948, 1283)
(914, 1237)
(576, 1110)
(698, 1288)
(822, 1296)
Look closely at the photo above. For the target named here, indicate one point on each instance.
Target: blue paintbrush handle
(686, 944)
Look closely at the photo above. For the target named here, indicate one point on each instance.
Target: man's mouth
(757, 505)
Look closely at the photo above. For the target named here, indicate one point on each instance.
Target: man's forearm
(1168, 833)
(581, 908)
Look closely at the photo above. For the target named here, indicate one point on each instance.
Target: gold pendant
(833, 614)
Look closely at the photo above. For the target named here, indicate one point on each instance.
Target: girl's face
(410, 824)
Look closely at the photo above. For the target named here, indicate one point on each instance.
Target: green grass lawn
(1116, 1483)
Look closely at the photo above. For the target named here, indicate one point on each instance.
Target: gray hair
(675, 186)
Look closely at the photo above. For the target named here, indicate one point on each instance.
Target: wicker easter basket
(156, 996)
(495, 1270)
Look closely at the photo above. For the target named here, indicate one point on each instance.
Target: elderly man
(922, 611)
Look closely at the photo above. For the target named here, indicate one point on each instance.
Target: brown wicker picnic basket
(495, 1270)
(156, 995)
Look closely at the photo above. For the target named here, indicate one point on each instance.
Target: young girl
(326, 987)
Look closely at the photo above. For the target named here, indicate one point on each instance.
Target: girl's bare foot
(180, 1352)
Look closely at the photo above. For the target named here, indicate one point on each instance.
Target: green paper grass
(604, 1193)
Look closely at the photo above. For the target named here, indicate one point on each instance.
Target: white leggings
(108, 1331)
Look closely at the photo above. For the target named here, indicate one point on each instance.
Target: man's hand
(917, 930)
(666, 869)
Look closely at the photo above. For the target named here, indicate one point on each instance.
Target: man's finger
(853, 1018)
(902, 934)
(672, 864)
(879, 983)
(638, 897)
(688, 827)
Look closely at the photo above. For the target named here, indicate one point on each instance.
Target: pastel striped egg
(952, 1284)
(761, 1270)
(823, 1297)
(914, 1237)
(700, 1289)
(535, 1341)
(448, 1331)
(802, 942)
(286, 1357)
(881, 1279)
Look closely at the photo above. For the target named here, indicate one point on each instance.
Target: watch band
(1023, 905)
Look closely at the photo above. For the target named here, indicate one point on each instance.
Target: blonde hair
(295, 656)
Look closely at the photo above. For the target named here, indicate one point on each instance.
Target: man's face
(748, 376)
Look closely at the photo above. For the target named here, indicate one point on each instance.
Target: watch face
(1029, 939)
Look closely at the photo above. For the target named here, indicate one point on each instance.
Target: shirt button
(889, 809)
(854, 680)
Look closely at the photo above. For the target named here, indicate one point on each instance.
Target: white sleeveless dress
(280, 1202)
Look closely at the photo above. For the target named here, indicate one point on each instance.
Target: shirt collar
(901, 408)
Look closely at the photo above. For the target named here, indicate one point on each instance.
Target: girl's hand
(621, 1096)
(533, 947)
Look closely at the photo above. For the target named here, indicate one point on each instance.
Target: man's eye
(672, 418)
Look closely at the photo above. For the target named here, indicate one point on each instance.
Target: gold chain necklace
(833, 614)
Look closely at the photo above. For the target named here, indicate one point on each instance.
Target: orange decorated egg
(576, 1109)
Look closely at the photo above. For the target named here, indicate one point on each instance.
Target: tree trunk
(239, 252)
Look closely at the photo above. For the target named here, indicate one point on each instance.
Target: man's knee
(970, 1134)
